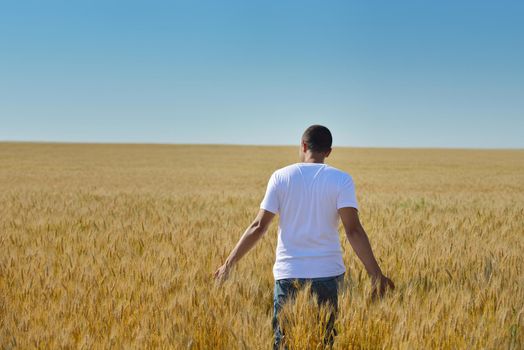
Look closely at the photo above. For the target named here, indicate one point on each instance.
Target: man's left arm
(248, 240)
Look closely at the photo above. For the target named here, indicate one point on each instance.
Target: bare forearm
(246, 242)
(360, 243)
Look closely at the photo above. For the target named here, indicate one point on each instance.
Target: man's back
(307, 197)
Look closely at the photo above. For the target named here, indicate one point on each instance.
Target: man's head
(315, 144)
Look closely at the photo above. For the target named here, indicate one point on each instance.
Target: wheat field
(114, 246)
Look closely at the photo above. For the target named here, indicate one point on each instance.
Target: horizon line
(255, 145)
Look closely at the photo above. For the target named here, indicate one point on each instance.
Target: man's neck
(312, 159)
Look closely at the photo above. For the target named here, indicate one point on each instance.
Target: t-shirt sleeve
(346, 194)
(270, 201)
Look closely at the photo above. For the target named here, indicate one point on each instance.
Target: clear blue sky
(377, 73)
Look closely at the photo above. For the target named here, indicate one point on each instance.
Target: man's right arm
(359, 241)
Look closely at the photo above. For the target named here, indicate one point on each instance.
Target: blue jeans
(326, 290)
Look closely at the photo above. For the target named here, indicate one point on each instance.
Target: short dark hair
(317, 138)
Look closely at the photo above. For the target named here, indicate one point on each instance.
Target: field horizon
(107, 143)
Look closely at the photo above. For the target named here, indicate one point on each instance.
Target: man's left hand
(222, 273)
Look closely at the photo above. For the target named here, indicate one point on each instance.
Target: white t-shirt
(307, 197)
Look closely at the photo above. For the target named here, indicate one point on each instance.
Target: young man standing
(310, 196)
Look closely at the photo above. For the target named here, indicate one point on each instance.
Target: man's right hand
(379, 286)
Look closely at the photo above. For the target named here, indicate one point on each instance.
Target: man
(310, 196)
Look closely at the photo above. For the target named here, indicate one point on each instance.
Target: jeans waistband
(314, 279)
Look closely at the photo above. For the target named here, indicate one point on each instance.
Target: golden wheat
(114, 246)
